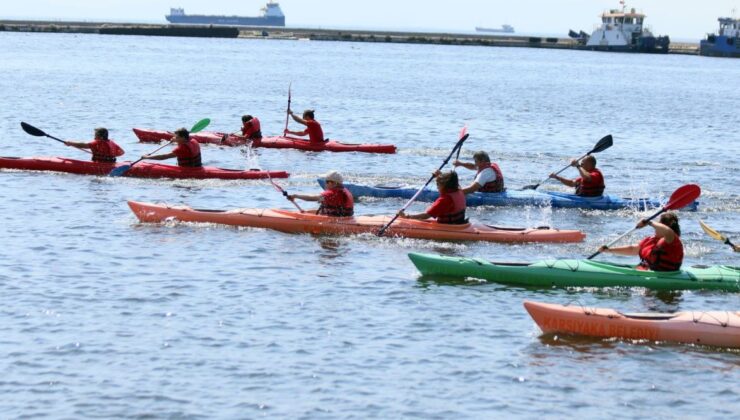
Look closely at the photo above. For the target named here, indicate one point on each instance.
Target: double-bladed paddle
(716, 235)
(28, 128)
(463, 136)
(603, 144)
(680, 198)
(121, 170)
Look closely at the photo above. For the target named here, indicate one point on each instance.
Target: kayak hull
(714, 328)
(294, 222)
(140, 170)
(276, 142)
(579, 273)
(515, 198)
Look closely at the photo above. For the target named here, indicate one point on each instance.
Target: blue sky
(681, 19)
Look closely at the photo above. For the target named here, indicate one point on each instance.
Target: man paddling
(489, 177)
(103, 149)
(313, 127)
(449, 208)
(187, 151)
(251, 128)
(591, 181)
(336, 201)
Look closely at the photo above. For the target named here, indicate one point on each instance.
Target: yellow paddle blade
(711, 232)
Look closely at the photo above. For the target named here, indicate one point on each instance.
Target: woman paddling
(449, 208)
(661, 252)
(336, 201)
(313, 127)
(103, 149)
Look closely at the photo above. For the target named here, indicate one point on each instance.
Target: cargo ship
(506, 29)
(272, 15)
(726, 43)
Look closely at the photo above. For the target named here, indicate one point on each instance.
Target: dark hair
(309, 113)
(246, 118)
(102, 133)
(481, 157)
(183, 132)
(448, 181)
(671, 220)
(592, 158)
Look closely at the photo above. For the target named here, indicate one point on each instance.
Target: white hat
(334, 176)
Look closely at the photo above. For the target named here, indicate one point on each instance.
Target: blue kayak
(515, 198)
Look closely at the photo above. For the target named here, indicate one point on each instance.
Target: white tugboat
(623, 30)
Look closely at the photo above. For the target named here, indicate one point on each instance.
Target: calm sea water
(106, 317)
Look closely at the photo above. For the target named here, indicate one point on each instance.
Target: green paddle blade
(711, 232)
(200, 125)
(28, 128)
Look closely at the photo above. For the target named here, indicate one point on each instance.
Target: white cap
(334, 176)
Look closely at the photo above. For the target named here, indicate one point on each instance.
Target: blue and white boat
(515, 198)
(272, 15)
(726, 43)
(623, 30)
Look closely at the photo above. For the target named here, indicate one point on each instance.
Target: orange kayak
(294, 222)
(715, 328)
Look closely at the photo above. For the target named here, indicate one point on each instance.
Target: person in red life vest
(591, 181)
(313, 127)
(449, 208)
(489, 177)
(336, 201)
(662, 252)
(103, 150)
(187, 151)
(251, 127)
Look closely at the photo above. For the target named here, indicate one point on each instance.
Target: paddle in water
(716, 235)
(121, 170)
(28, 128)
(680, 198)
(463, 136)
(603, 144)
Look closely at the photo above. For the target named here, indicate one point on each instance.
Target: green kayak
(579, 273)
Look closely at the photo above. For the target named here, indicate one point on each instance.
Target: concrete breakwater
(309, 34)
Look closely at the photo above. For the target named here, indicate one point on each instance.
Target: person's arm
(736, 248)
(305, 197)
(564, 181)
(77, 144)
(471, 188)
(465, 165)
(164, 156)
(622, 250)
(297, 119)
(666, 232)
(420, 216)
(586, 175)
(297, 133)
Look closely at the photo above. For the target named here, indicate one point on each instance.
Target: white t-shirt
(485, 176)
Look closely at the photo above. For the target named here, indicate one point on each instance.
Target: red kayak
(140, 170)
(279, 142)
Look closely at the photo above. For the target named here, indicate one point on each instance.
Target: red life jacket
(188, 154)
(457, 215)
(104, 151)
(494, 186)
(593, 187)
(337, 202)
(253, 129)
(658, 255)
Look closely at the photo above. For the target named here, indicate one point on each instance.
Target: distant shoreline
(313, 34)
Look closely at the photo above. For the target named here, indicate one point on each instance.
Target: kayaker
(591, 181)
(251, 127)
(661, 252)
(336, 201)
(313, 127)
(187, 151)
(489, 177)
(103, 149)
(449, 208)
